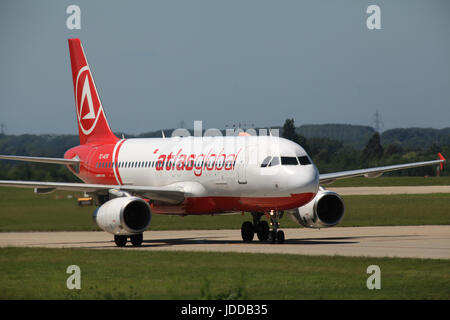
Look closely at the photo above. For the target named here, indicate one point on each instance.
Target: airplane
(132, 179)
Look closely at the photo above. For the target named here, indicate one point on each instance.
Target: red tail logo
(92, 123)
(88, 104)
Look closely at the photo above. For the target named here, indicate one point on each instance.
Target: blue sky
(156, 63)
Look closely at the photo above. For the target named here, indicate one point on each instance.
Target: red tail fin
(92, 124)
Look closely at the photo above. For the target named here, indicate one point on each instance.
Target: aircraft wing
(170, 194)
(41, 159)
(327, 178)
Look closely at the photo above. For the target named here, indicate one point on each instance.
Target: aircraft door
(242, 164)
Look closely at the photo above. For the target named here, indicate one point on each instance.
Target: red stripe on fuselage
(209, 205)
(116, 159)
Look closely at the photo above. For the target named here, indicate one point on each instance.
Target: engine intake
(324, 211)
(124, 215)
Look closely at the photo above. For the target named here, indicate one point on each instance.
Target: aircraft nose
(305, 179)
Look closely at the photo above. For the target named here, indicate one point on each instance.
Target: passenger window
(275, 161)
(265, 162)
(304, 160)
(289, 161)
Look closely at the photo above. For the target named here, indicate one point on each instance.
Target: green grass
(397, 210)
(392, 181)
(32, 273)
(22, 210)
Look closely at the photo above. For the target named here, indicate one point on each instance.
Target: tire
(121, 241)
(280, 237)
(262, 231)
(272, 236)
(247, 231)
(137, 239)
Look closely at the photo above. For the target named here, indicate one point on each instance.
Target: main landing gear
(136, 240)
(261, 228)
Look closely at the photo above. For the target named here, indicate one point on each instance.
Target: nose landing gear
(276, 236)
(261, 228)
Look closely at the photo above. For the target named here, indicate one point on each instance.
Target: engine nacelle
(123, 216)
(324, 211)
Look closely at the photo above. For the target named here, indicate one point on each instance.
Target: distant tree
(289, 132)
(373, 149)
(392, 149)
(350, 135)
(434, 149)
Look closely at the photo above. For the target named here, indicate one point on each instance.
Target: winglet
(441, 157)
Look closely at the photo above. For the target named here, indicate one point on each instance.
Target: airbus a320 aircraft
(131, 179)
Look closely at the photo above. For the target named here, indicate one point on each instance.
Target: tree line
(331, 155)
(353, 147)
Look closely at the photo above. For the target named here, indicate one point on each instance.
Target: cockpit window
(275, 161)
(289, 161)
(304, 160)
(265, 162)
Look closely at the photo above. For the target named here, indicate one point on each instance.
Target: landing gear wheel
(247, 231)
(262, 231)
(280, 237)
(137, 239)
(120, 241)
(276, 235)
(272, 236)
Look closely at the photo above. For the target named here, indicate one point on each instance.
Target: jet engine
(325, 210)
(123, 216)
